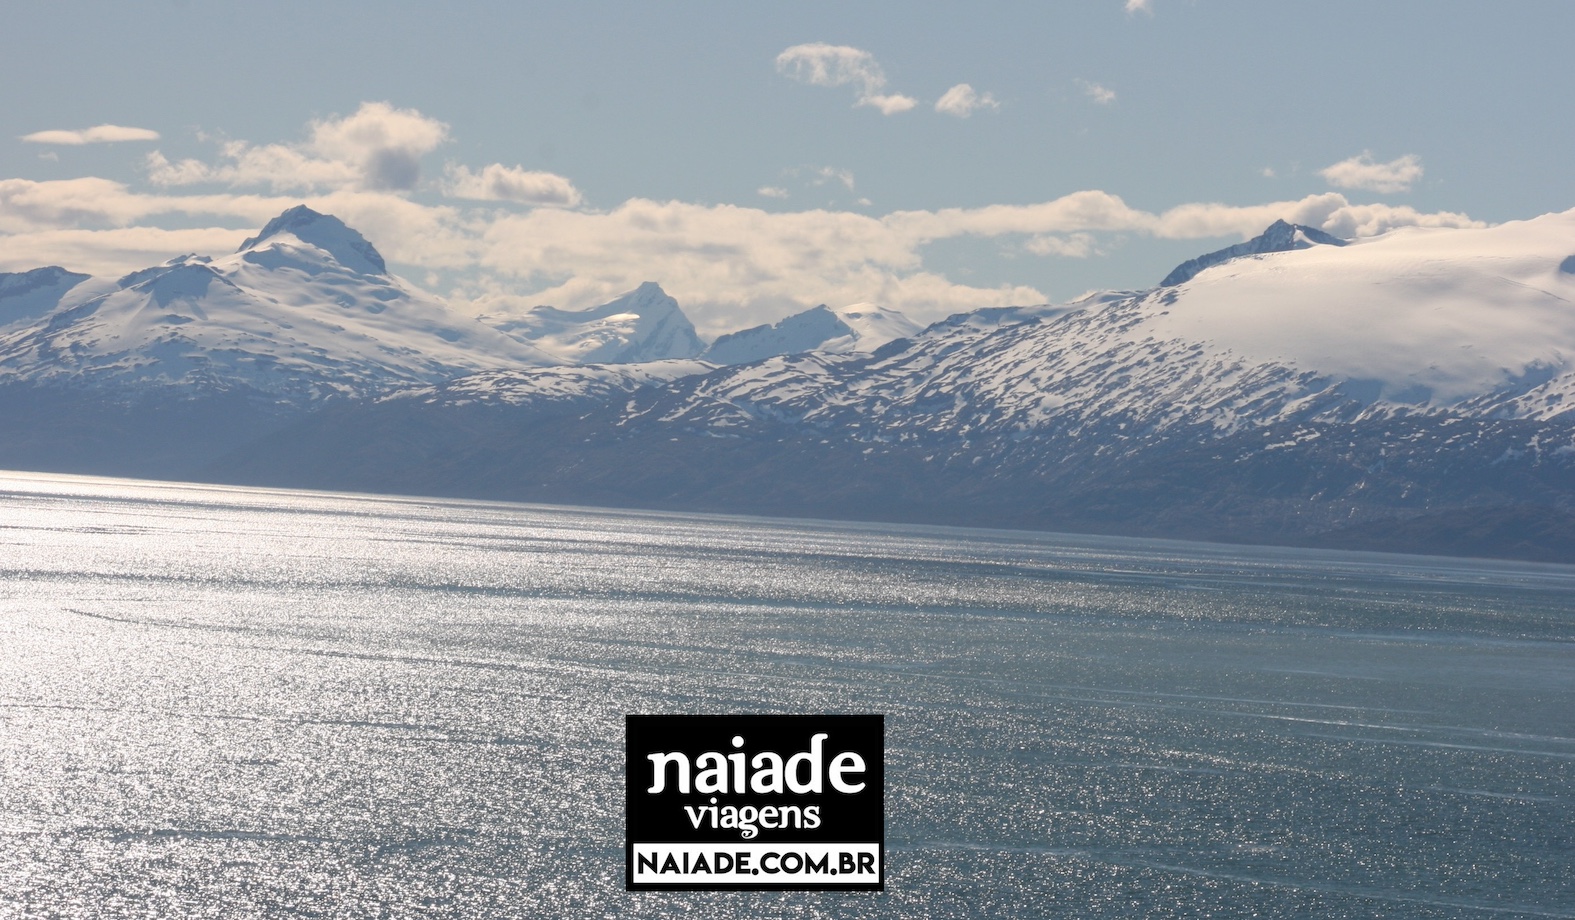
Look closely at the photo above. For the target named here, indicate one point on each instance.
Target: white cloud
(729, 265)
(111, 253)
(1075, 246)
(961, 101)
(889, 104)
(102, 134)
(281, 167)
(377, 147)
(1267, 172)
(1101, 95)
(1329, 211)
(1140, 6)
(164, 172)
(385, 144)
(820, 64)
(826, 174)
(1361, 220)
(28, 206)
(511, 183)
(1361, 172)
(809, 177)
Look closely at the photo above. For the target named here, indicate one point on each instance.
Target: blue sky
(757, 159)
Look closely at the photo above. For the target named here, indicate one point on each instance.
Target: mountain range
(1409, 392)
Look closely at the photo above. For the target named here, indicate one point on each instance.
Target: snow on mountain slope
(642, 325)
(861, 327)
(1430, 317)
(29, 295)
(800, 332)
(347, 247)
(562, 384)
(1418, 321)
(303, 310)
(870, 327)
(1279, 237)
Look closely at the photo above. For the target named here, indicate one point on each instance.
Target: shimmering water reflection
(233, 703)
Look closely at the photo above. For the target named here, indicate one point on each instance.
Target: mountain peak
(645, 324)
(328, 233)
(1279, 236)
(859, 328)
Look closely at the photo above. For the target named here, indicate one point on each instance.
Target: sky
(759, 159)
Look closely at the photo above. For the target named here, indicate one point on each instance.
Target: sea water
(220, 702)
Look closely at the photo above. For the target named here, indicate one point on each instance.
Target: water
(232, 703)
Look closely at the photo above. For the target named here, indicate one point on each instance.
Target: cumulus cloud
(961, 101)
(1140, 6)
(1362, 172)
(101, 134)
(377, 147)
(1101, 95)
(771, 191)
(385, 144)
(1330, 212)
(511, 183)
(1075, 246)
(821, 64)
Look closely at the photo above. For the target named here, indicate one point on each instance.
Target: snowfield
(1432, 317)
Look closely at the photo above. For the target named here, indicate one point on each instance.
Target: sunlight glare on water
(242, 703)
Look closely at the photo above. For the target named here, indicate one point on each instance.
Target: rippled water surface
(232, 703)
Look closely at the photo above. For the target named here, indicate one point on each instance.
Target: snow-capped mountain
(861, 327)
(642, 325)
(1279, 237)
(1479, 323)
(1427, 319)
(303, 310)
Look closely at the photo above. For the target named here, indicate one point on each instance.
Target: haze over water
(237, 703)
